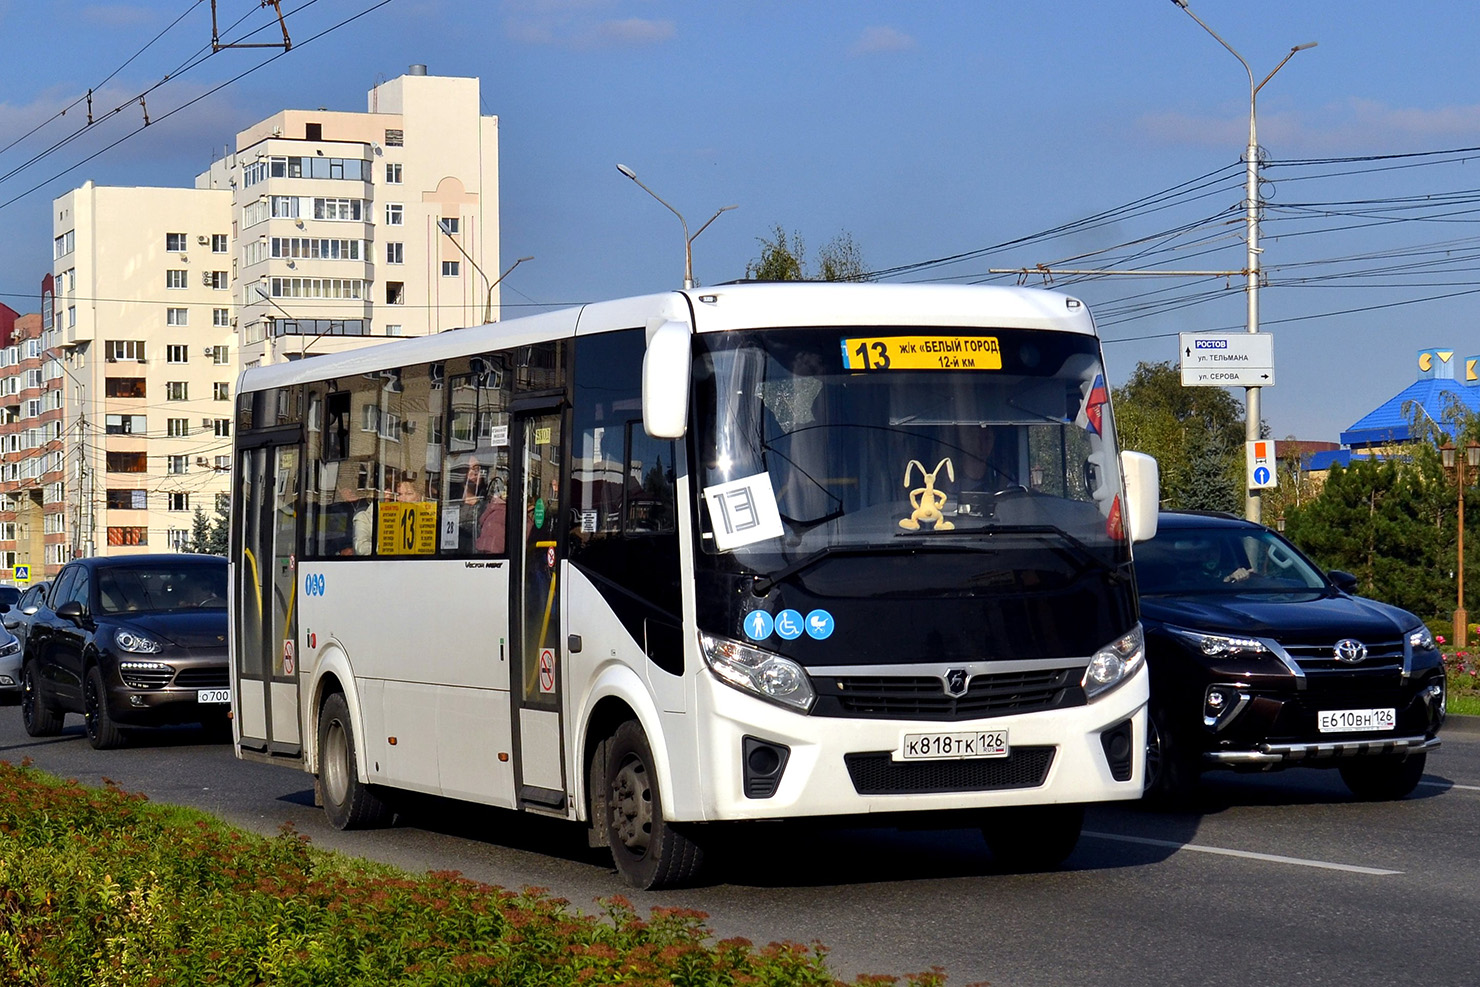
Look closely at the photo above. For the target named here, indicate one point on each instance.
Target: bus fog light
(761, 673)
(1114, 663)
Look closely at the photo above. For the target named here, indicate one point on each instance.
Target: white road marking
(1445, 784)
(1246, 854)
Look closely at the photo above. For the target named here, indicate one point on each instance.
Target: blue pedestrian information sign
(22, 574)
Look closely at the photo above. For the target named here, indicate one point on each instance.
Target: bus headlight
(758, 672)
(1114, 663)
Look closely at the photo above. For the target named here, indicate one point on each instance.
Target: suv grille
(876, 774)
(923, 697)
(203, 678)
(1381, 656)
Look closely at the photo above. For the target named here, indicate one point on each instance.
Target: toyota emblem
(1350, 651)
(955, 681)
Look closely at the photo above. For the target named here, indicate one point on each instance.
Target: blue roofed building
(1383, 431)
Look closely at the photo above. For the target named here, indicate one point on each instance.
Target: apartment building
(350, 228)
(143, 360)
(32, 447)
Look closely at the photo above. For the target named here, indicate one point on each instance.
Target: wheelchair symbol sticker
(789, 625)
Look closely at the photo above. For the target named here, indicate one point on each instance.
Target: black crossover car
(135, 641)
(1258, 660)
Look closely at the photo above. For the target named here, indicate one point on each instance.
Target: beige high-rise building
(353, 227)
(145, 361)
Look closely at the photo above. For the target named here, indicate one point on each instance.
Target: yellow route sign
(407, 528)
(922, 353)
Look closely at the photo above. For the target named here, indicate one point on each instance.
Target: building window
(218, 243)
(392, 173)
(395, 214)
(223, 427)
(395, 293)
(71, 316)
(177, 316)
(216, 279)
(176, 279)
(338, 209)
(124, 387)
(67, 242)
(222, 390)
(176, 390)
(450, 224)
(223, 463)
(393, 330)
(131, 535)
(131, 350)
(127, 462)
(221, 317)
(395, 253)
(175, 464)
(178, 539)
(174, 243)
(33, 408)
(177, 428)
(220, 355)
(177, 353)
(450, 268)
(395, 138)
(179, 501)
(125, 425)
(128, 500)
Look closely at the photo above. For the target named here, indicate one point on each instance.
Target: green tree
(784, 258)
(1195, 433)
(210, 535)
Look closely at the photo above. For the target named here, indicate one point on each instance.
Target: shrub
(99, 887)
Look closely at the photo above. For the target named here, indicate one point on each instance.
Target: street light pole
(1253, 205)
(688, 241)
(1458, 457)
(488, 305)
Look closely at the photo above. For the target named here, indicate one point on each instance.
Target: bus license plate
(952, 746)
(1355, 720)
(213, 696)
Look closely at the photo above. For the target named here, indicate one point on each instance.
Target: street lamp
(488, 302)
(1457, 463)
(1252, 206)
(688, 241)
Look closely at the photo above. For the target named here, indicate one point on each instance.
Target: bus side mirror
(665, 381)
(1142, 494)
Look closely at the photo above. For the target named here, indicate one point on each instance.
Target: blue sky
(924, 130)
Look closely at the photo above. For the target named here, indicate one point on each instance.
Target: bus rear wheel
(649, 851)
(1033, 837)
(348, 802)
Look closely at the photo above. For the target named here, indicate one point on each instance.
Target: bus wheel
(650, 852)
(348, 802)
(1033, 837)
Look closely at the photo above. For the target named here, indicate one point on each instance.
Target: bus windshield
(833, 446)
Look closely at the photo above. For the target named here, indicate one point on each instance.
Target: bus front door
(265, 665)
(535, 608)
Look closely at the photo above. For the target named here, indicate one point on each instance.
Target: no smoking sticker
(547, 671)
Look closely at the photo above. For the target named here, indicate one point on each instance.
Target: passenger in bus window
(351, 519)
(482, 510)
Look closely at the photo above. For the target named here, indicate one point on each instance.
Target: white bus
(747, 552)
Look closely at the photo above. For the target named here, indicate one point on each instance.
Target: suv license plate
(952, 746)
(1357, 720)
(213, 696)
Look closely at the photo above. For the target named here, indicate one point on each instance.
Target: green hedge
(99, 887)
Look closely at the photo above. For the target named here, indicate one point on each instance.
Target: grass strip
(100, 887)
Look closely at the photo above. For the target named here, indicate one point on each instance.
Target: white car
(10, 669)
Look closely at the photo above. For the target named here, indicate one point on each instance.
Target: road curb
(1462, 724)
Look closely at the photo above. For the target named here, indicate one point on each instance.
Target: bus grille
(924, 697)
(877, 774)
(203, 678)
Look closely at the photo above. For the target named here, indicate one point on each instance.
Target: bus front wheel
(1033, 837)
(649, 851)
(348, 802)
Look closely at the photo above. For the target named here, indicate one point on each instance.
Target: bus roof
(718, 308)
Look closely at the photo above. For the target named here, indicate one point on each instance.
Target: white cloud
(1353, 126)
(877, 40)
(583, 25)
(116, 15)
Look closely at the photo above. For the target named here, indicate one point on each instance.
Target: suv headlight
(1218, 645)
(136, 643)
(1114, 663)
(761, 673)
(1419, 639)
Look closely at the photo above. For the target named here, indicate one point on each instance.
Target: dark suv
(135, 641)
(1258, 660)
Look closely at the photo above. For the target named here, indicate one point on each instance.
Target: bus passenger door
(535, 607)
(265, 663)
